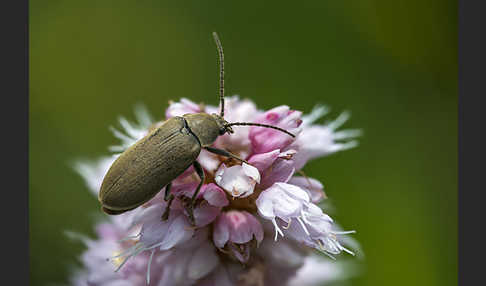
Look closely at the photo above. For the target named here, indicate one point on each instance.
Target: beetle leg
(224, 153)
(200, 173)
(167, 197)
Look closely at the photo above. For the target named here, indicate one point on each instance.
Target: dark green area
(391, 63)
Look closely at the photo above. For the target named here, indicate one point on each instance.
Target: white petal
(251, 172)
(218, 177)
(179, 232)
(294, 191)
(235, 181)
(208, 161)
(313, 187)
(265, 205)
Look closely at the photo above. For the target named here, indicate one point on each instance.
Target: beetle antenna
(221, 72)
(261, 125)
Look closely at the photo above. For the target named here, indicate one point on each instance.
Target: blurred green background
(393, 64)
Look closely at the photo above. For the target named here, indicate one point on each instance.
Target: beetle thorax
(207, 127)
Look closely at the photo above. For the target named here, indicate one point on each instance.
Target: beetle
(151, 163)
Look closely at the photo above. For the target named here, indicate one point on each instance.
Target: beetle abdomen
(150, 164)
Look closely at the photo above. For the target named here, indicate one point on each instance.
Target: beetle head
(207, 127)
(222, 124)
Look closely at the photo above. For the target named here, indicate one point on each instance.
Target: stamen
(290, 175)
(155, 245)
(334, 245)
(129, 237)
(136, 252)
(330, 255)
(305, 219)
(288, 224)
(346, 250)
(148, 267)
(235, 192)
(123, 263)
(303, 226)
(344, 232)
(123, 253)
(277, 229)
(324, 250)
(115, 261)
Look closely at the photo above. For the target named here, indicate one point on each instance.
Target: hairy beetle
(151, 164)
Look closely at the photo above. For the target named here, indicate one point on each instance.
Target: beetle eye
(222, 131)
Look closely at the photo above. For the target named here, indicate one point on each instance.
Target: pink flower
(282, 169)
(181, 108)
(236, 111)
(239, 211)
(313, 187)
(235, 229)
(317, 232)
(186, 264)
(206, 212)
(262, 161)
(239, 181)
(321, 140)
(265, 139)
(287, 202)
(163, 234)
(283, 201)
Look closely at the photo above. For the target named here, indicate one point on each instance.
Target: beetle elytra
(151, 164)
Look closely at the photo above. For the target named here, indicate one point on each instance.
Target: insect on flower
(151, 164)
(254, 213)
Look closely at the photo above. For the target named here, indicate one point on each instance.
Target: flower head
(264, 140)
(251, 221)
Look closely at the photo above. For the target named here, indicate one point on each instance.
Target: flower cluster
(255, 224)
